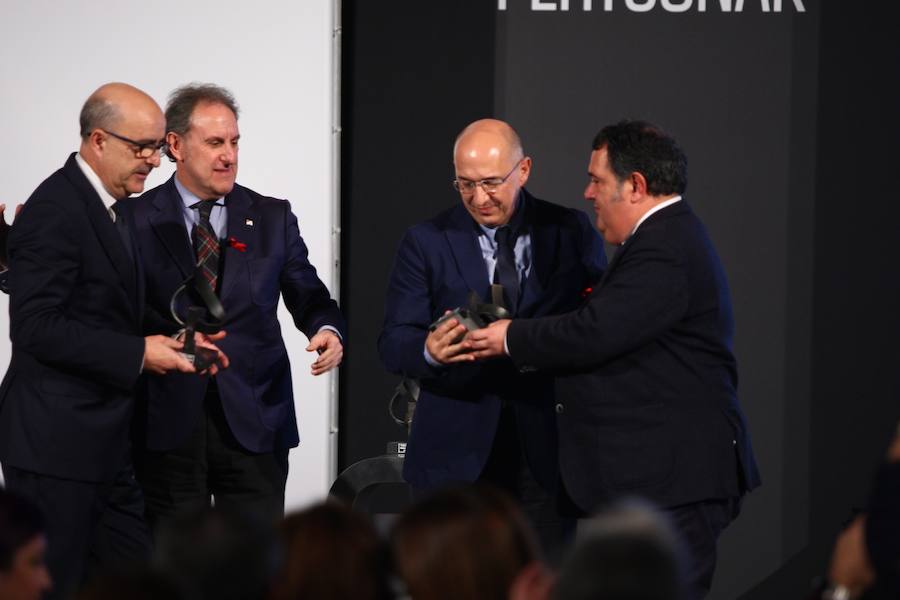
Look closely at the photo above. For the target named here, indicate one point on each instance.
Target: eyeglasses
(466, 187)
(141, 149)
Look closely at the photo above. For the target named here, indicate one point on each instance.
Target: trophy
(477, 314)
(194, 321)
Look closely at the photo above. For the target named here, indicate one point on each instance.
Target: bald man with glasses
(486, 422)
(76, 306)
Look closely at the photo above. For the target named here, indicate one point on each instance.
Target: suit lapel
(168, 225)
(243, 223)
(461, 237)
(104, 228)
(544, 248)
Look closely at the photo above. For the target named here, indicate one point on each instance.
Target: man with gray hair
(76, 303)
(227, 436)
(626, 552)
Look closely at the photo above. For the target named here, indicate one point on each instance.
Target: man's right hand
(161, 356)
(4, 233)
(446, 344)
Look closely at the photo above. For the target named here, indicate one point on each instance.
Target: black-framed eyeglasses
(141, 149)
(467, 187)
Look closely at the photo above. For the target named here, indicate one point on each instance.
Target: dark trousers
(507, 469)
(91, 527)
(212, 466)
(698, 526)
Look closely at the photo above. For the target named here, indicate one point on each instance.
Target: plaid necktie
(206, 244)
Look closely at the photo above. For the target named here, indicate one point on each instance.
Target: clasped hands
(450, 342)
(163, 354)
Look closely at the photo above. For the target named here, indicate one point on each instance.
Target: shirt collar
(95, 182)
(189, 198)
(656, 208)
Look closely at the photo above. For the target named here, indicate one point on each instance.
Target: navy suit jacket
(646, 378)
(75, 323)
(437, 265)
(256, 390)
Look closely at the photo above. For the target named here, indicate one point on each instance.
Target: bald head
(491, 168)
(488, 136)
(117, 122)
(105, 107)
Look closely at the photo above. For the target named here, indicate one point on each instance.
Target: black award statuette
(194, 321)
(477, 314)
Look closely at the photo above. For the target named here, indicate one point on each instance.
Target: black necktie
(206, 244)
(505, 272)
(122, 228)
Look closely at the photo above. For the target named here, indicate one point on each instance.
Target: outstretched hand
(331, 351)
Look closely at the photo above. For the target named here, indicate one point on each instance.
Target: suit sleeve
(305, 296)
(409, 310)
(645, 296)
(44, 267)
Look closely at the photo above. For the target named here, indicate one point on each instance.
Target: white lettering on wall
(538, 5)
(672, 6)
(637, 6)
(677, 7)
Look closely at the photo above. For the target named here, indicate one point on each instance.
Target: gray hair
(98, 112)
(185, 99)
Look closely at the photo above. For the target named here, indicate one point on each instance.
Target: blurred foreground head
(331, 553)
(628, 552)
(218, 554)
(464, 542)
(23, 573)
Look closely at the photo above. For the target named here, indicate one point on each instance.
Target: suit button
(560, 409)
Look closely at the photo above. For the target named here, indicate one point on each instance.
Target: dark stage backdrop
(789, 122)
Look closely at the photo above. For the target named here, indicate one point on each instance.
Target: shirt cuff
(332, 329)
(430, 359)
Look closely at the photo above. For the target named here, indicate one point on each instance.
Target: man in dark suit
(486, 421)
(646, 379)
(227, 436)
(77, 349)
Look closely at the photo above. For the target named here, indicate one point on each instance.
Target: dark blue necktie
(505, 272)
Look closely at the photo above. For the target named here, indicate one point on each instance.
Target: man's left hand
(203, 340)
(490, 341)
(330, 349)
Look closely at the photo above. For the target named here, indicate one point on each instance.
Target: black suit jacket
(646, 376)
(256, 390)
(438, 264)
(75, 313)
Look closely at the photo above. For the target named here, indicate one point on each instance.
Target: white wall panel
(275, 55)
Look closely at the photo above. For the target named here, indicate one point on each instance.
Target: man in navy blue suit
(645, 375)
(76, 304)
(486, 422)
(227, 436)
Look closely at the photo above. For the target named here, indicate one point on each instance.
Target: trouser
(507, 469)
(91, 527)
(212, 466)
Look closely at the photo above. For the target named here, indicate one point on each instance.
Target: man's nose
(481, 196)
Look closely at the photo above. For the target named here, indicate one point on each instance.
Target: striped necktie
(206, 244)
